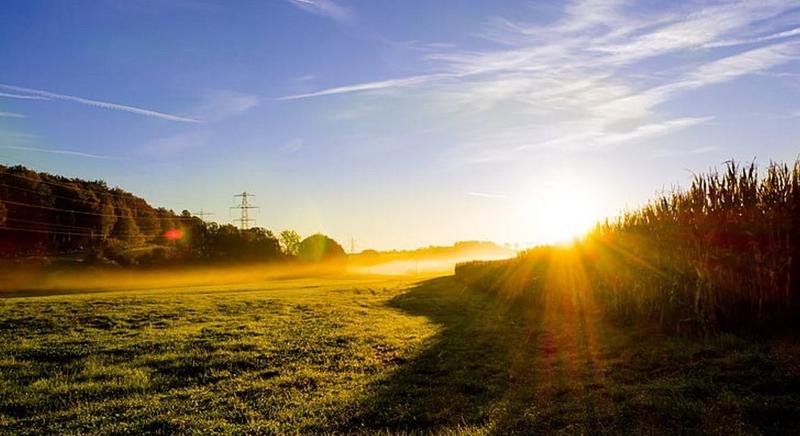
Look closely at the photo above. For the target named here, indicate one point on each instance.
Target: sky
(399, 123)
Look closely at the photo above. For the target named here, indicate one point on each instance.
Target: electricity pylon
(245, 206)
(202, 215)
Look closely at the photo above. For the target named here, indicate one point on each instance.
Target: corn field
(722, 254)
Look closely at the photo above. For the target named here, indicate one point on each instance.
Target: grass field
(363, 354)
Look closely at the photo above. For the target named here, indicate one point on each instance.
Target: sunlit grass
(372, 355)
(280, 358)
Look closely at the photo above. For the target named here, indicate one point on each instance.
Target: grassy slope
(370, 354)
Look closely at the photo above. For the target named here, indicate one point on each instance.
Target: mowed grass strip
(371, 355)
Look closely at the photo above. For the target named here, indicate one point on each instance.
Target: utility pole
(202, 215)
(245, 206)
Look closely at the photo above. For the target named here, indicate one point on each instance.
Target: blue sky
(399, 124)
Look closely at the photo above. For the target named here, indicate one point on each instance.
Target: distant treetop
(319, 247)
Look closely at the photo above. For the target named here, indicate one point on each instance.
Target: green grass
(367, 355)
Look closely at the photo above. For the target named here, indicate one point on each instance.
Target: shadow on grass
(497, 366)
(464, 373)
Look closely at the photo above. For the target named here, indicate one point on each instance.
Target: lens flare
(173, 234)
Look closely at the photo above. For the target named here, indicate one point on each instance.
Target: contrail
(96, 103)
(23, 97)
(11, 115)
(47, 150)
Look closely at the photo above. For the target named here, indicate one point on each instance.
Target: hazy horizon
(399, 124)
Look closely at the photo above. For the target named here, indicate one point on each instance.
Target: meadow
(366, 354)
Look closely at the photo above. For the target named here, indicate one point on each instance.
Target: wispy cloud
(689, 152)
(485, 195)
(305, 78)
(774, 36)
(572, 48)
(604, 138)
(369, 86)
(327, 8)
(171, 144)
(56, 151)
(293, 145)
(11, 115)
(47, 95)
(219, 105)
(722, 70)
(698, 27)
(595, 77)
(577, 136)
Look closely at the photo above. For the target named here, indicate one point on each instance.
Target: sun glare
(566, 219)
(561, 212)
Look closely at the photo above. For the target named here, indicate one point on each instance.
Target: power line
(48, 194)
(79, 184)
(47, 224)
(90, 202)
(62, 232)
(245, 206)
(72, 184)
(17, 203)
(49, 232)
(97, 200)
(57, 228)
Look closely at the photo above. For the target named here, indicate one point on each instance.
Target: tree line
(48, 215)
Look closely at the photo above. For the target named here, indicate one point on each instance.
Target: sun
(566, 217)
(558, 212)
